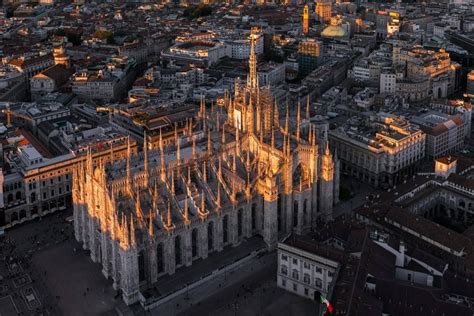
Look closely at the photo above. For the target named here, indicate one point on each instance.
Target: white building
(444, 133)
(240, 48)
(306, 267)
(388, 82)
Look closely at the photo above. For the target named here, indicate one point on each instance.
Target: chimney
(400, 262)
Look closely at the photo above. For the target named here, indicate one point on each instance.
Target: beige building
(383, 155)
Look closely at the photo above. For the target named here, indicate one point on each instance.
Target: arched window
(159, 258)
(34, 210)
(18, 195)
(239, 222)
(295, 213)
(210, 236)
(14, 217)
(305, 212)
(141, 266)
(177, 250)
(194, 242)
(254, 216)
(33, 197)
(10, 198)
(22, 214)
(225, 228)
(462, 204)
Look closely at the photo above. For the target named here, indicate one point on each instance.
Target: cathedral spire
(169, 223)
(150, 225)
(298, 122)
(223, 135)
(133, 242)
(162, 159)
(145, 158)
(276, 114)
(252, 81)
(209, 143)
(172, 182)
(178, 152)
(189, 174)
(203, 203)
(218, 201)
(287, 121)
(129, 171)
(186, 212)
(204, 171)
(155, 197)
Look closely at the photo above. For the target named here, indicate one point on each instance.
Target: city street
(359, 189)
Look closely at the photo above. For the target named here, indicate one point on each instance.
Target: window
(295, 274)
(295, 261)
(306, 265)
(51, 180)
(284, 257)
(306, 278)
(295, 287)
(318, 283)
(330, 274)
(283, 282)
(306, 291)
(284, 270)
(319, 270)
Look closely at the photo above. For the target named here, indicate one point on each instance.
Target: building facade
(306, 267)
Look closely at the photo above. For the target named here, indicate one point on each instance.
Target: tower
(60, 56)
(326, 185)
(305, 19)
(323, 10)
(252, 81)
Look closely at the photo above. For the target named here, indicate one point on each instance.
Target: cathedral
(238, 171)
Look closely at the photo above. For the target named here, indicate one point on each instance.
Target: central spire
(252, 81)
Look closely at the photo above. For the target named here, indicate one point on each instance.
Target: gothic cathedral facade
(253, 174)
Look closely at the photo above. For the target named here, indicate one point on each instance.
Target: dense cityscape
(192, 157)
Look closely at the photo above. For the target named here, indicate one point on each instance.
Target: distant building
(323, 10)
(305, 27)
(309, 52)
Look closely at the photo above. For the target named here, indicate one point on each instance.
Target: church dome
(334, 30)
